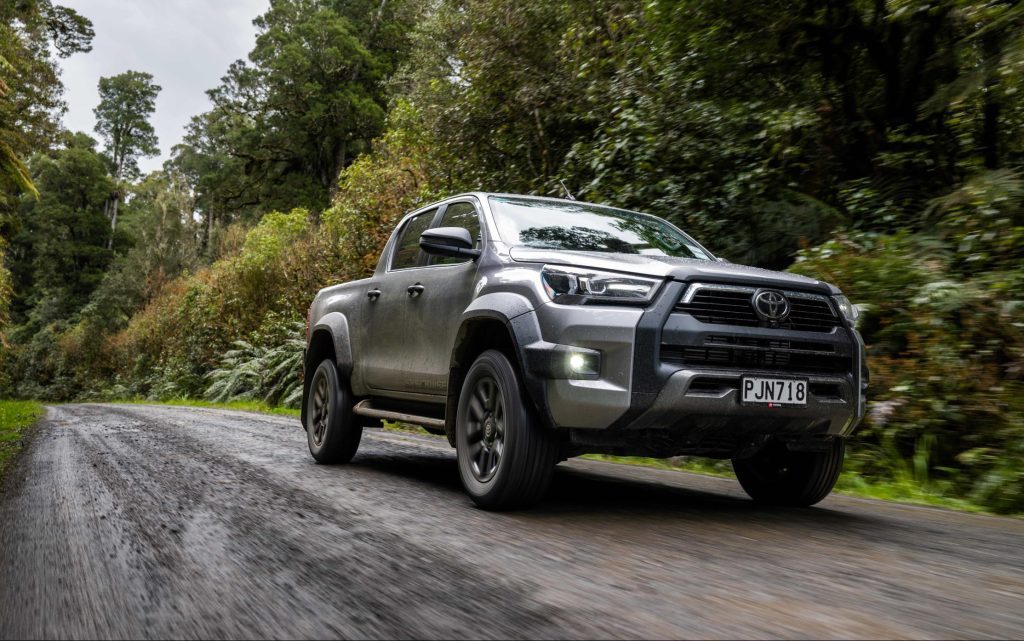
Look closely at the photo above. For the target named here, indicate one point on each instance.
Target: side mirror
(449, 241)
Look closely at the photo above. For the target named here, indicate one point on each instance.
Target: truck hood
(683, 269)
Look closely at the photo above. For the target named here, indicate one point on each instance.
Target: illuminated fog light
(584, 364)
(577, 363)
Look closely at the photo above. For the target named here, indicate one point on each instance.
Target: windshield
(546, 224)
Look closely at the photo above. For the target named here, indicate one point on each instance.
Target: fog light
(584, 364)
(577, 362)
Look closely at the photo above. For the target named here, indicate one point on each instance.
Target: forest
(876, 144)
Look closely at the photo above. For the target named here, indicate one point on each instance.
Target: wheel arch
(328, 338)
(486, 327)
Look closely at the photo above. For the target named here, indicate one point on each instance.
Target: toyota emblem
(770, 305)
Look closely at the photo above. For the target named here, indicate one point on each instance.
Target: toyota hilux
(528, 330)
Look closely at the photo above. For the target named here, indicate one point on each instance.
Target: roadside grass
(903, 490)
(16, 417)
(697, 465)
(245, 406)
(906, 491)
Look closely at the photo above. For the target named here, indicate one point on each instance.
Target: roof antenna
(567, 192)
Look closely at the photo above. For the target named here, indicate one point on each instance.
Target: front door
(435, 312)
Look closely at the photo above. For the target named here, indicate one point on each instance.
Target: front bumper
(709, 399)
(647, 385)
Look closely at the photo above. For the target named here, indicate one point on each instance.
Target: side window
(407, 251)
(459, 215)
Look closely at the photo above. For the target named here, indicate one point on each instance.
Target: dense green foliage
(32, 33)
(309, 101)
(946, 350)
(878, 145)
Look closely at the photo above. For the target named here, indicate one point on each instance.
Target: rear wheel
(506, 458)
(331, 429)
(779, 476)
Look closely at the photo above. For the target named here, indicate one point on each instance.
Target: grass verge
(245, 406)
(850, 483)
(16, 417)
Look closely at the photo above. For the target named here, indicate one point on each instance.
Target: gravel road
(142, 521)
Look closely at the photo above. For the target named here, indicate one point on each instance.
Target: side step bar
(366, 408)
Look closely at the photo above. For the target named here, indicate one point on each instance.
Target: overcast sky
(186, 44)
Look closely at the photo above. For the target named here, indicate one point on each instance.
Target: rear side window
(459, 215)
(407, 252)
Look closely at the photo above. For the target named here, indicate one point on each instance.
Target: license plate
(774, 391)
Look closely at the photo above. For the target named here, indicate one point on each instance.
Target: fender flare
(519, 317)
(499, 305)
(336, 325)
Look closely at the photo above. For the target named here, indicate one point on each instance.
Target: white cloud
(186, 44)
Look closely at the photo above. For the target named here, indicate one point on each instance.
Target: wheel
(778, 476)
(506, 458)
(331, 429)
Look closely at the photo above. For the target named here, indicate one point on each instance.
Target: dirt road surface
(163, 522)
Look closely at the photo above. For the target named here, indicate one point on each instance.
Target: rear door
(386, 357)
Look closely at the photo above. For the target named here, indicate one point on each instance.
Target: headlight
(848, 309)
(572, 286)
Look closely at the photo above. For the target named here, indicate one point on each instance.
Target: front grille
(771, 343)
(733, 352)
(723, 306)
(811, 315)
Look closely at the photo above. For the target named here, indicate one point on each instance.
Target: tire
(777, 476)
(506, 457)
(332, 432)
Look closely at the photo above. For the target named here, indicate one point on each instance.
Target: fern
(251, 372)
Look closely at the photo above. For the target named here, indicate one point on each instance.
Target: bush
(374, 193)
(270, 371)
(946, 353)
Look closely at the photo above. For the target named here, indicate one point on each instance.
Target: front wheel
(331, 429)
(506, 458)
(779, 476)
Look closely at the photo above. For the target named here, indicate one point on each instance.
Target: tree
(122, 120)
(219, 179)
(30, 104)
(61, 248)
(30, 88)
(311, 98)
(501, 86)
(12, 169)
(165, 242)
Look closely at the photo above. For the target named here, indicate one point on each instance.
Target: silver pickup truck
(528, 330)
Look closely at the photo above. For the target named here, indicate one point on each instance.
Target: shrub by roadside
(945, 350)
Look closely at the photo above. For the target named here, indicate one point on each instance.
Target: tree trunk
(113, 219)
(338, 164)
(204, 242)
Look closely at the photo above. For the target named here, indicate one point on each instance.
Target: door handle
(373, 294)
(415, 290)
